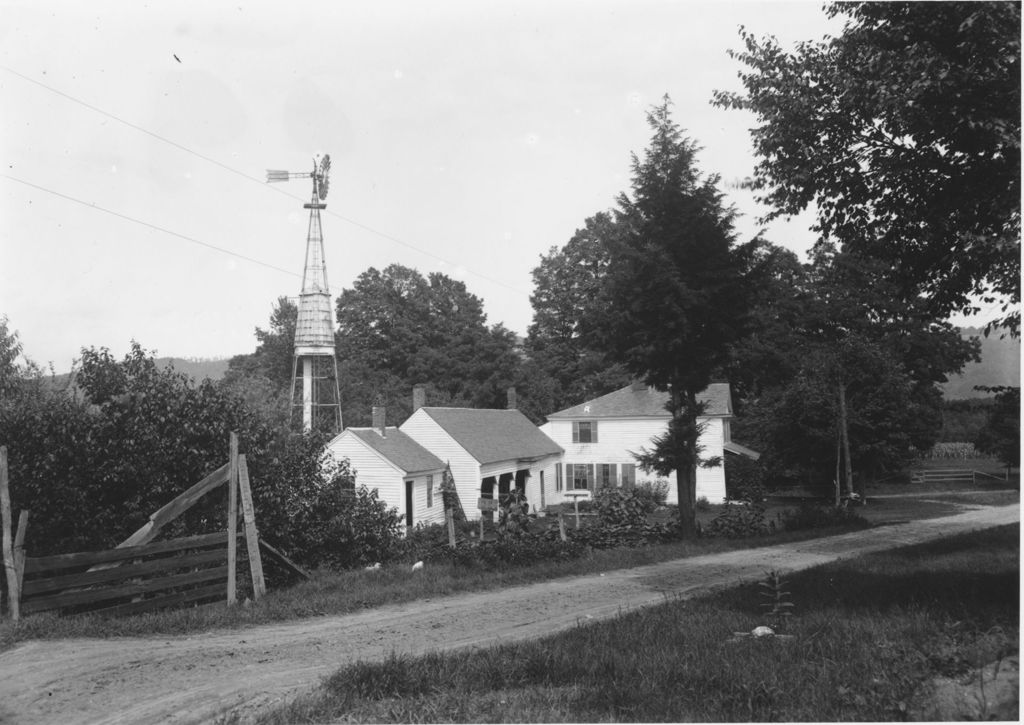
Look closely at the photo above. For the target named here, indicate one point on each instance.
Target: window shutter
(568, 476)
(590, 476)
(593, 431)
(575, 431)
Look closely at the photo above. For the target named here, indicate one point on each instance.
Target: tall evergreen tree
(673, 298)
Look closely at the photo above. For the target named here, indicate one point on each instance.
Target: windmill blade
(325, 168)
(274, 175)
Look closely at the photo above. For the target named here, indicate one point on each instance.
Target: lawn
(866, 634)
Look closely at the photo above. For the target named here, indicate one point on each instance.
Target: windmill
(320, 397)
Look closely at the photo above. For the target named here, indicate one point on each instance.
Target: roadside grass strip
(865, 635)
(330, 593)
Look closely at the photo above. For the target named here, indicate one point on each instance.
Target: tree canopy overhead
(904, 132)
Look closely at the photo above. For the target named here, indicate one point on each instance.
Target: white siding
(376, 472)
(617, 439)
(371, 469)
(465, 469)
(422, 514)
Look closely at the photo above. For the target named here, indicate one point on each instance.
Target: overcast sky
(466, 138)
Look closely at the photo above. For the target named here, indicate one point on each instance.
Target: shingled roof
(399, 449)
(635, 401)
(492, 435)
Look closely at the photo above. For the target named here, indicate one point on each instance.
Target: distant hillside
(1000, 365)
(197, 369)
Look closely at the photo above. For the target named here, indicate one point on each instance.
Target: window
(629, 475)
(542, 489)
(558, 477)
(606, 475)
(430, 491)
(584, 431)
(582, 475)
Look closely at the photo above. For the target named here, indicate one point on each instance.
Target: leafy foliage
(1001, 433)
(566, 290)
(904, 133)
(739, 521)
(397, 328)
(93, 468)
(622, 506)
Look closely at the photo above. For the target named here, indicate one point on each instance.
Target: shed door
(408, 503)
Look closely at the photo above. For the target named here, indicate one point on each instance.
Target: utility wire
(237, 172)
(155, 227)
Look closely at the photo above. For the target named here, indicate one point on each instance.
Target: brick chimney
(511, 395)
(419, 397)
(379, 415)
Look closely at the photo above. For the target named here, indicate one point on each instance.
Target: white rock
(417, 566)
(762, 631)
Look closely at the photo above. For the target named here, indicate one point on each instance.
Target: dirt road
(204, 677)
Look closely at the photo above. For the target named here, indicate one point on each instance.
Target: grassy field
(866, 633)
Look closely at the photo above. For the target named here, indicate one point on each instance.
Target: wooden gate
(139, 574)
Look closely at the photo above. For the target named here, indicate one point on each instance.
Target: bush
(739, 521)
(744, 480)
(612, 536)
(341, 526)
(812, 516)
(623, 506)
(656, 492)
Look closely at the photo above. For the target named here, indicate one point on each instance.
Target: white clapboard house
(600, 436)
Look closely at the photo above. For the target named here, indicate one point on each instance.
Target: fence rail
(951, 475)
(156, 577)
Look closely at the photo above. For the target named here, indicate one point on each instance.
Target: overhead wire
(237, 172)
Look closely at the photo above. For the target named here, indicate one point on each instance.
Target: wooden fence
(139, 574)
(144, 578)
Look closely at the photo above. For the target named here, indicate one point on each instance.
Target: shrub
(738, 521)
(744, 480)
(611, 536)
(342, 526)
(656, 492)
(623, 506)
(814, 516)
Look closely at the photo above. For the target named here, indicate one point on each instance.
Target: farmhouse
(600, 436)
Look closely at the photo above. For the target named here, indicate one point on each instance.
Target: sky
(467, 138)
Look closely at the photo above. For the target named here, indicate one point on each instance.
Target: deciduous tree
(903, 132)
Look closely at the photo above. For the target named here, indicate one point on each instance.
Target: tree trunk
(845, 436)
(686, 476)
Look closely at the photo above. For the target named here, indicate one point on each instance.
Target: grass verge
(332, 593)
(866, 634)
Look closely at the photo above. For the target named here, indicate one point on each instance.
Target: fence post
(19, 549)
(561, 526)
(14, 596)
(450, 519)
(232, 517)
(252, 542)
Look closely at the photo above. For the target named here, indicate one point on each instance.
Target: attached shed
(490, 451)
(406, 475)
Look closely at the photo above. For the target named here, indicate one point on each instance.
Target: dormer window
(584, 431)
